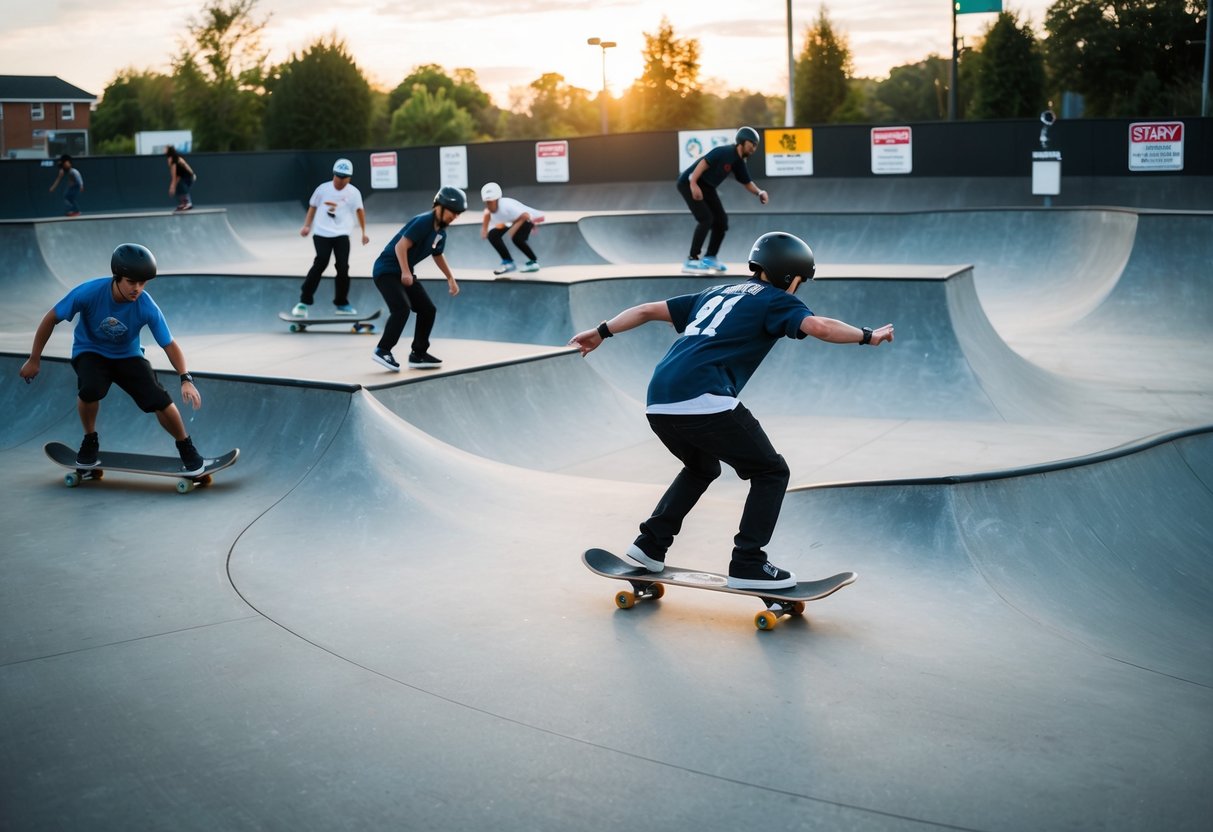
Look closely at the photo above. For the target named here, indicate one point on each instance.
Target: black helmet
(451, 197)
(134, 261)
(782, 256)
(746, 134)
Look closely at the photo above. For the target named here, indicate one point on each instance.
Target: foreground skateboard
(157, 466)
(358, 323)
(646, 585)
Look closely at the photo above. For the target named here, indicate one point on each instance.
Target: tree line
(1122, 57)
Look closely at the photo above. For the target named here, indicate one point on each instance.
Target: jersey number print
(715, 304)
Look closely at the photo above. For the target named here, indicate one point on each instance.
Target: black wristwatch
(187, 377)
(867, 335)
(603, 332)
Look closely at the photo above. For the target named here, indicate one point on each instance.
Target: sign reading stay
(1156, 145)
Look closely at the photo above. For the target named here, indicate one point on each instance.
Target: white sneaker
(300, 310)
(345, 310)
(637, 554)
(531, 266)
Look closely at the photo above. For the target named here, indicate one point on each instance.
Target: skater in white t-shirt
(504, 215)
(333, 207)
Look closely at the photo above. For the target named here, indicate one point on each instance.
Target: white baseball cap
(343, 167)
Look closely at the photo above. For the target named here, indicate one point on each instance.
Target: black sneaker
(386, 359)
(424, 361)
(86, 457)
(650, 563)
(759, 576)
(191, 460)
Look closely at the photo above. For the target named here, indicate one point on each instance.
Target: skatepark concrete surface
(378, 617)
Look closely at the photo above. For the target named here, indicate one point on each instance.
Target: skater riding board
(649, 585)
(157, 466)
(358, 323)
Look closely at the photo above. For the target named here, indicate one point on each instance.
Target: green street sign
(978, 6)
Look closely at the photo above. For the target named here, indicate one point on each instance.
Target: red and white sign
(383, 170)
(1156, 145)
(892, 150)
(552, 161)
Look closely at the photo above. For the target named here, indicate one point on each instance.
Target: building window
(67, 112)
(35, 112)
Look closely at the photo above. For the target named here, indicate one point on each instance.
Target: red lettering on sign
(900, 136)
(1171, 131)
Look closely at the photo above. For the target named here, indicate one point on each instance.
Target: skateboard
(158, 466)
(358, 323)
(650, 585)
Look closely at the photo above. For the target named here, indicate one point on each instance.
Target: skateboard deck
(157, 466)
(650, 585)
(358, 323)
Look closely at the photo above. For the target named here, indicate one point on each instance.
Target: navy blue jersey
(426, 239)
(726, 333)
(721, 161)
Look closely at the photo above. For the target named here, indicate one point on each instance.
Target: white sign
(892, 150)
(154, 142)
(695, 143)
(552, 161)
(1156, 145)
(383, 170)
(1046, 172)
(453, 164)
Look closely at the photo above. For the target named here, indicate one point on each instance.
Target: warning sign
(1156, 145)
(789, 152)
(552, 161)
(892, 150)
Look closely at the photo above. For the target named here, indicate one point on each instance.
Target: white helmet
(490, 191)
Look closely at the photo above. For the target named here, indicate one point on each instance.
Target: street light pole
(788, 119)
(605, 44)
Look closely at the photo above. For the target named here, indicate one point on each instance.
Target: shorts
(95, 373)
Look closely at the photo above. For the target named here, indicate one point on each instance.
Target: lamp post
(605, 44)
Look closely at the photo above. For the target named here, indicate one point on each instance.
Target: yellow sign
(789, 152)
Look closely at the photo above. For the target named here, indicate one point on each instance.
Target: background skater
(181, 178)
(726, 332)
(75, 185)
(333, 207)
(423, 236)
(698, 184)
(106, 351)
(504, 216)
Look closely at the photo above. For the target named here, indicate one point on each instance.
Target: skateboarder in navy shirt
(106, 351)
(698, 184)
(423, 236)
(726, 332)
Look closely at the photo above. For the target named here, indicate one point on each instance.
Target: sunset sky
(509, 43)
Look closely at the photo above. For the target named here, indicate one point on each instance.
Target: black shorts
(95, 373)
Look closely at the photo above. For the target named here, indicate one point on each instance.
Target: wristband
(603, 332)
(187, 377)
(867, 336)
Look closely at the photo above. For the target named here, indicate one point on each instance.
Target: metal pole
(955, 57)
(604, 93)
(1204, 85)
(788, 118)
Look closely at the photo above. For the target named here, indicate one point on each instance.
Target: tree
(318, 100)
(461, 88)
(666, 96)
(917, 92)
(426, 118)
(1128, 57)
(822, 71)
(219, 74)
(133, 102)
(1011, 83)
(560, 110)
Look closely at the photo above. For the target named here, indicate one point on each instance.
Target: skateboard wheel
(625, 600)
(656, 591)
(797, 608)
(203, 481)
(297, 328)
(71, 480)
(185, 486)
(766, 620)
(354, 329)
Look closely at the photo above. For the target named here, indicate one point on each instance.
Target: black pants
(95, 373)
(325, 248)
(710, 216)
(497, 238)
(702, 443)
(400, 299)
